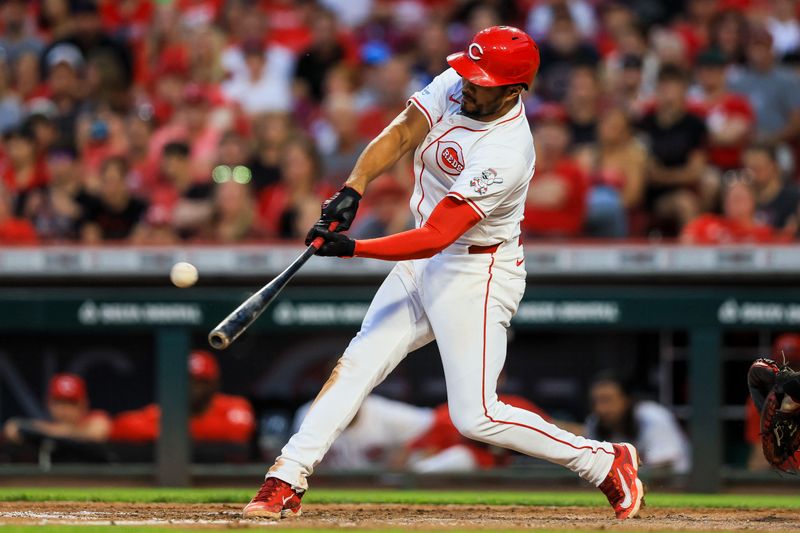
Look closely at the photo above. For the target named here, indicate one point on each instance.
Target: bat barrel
(218, 339)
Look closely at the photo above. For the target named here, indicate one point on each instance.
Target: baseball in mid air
(183, 274)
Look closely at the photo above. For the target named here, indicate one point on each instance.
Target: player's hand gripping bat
(237, 322)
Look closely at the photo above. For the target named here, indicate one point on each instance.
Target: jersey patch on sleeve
(487, 178)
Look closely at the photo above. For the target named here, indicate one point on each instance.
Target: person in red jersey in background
(215, 417)
(786, 346)
(556, 201)
(14, 230)
(738, 223)
(443, 449)
(70, 416)
(729, 116)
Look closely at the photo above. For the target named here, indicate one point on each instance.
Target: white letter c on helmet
(475, 52)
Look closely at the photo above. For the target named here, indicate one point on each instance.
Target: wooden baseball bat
(240, 319)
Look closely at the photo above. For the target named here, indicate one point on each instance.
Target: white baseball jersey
(487, 164)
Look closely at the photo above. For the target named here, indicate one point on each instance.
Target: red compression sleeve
(450, 219)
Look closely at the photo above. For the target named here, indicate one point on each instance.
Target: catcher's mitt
(780, 423)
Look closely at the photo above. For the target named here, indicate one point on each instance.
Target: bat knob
(218, 340)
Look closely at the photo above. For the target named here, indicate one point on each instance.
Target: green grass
(431, 497)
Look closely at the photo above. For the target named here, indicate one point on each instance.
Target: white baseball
(183, 274)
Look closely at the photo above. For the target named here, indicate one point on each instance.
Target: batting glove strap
(336, 244)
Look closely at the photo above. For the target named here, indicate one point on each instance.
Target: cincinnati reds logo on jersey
(450, 157)
(487, 178)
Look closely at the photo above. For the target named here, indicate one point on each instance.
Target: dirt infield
(397, 516)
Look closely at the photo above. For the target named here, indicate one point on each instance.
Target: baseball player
(459, 276)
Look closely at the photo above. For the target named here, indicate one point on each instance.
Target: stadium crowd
(231, 120)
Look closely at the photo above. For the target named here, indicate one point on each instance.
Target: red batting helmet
(500, 55)
(67, 388)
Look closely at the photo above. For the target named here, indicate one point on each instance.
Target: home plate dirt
(378, 516)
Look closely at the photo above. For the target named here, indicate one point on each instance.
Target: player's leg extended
(394, 325)
(469, 308)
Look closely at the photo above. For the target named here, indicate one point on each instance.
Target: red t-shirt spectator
(713, 229)
(227, 419)
(567, 218)
(38, 177)
(17, 231)
(716, 114)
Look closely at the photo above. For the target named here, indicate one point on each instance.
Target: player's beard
(475, 111)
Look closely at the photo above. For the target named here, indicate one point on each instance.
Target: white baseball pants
(465, 301)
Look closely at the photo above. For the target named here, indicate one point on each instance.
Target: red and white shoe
(622, 486)
(275, 499)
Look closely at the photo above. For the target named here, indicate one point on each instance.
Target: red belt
(490, 249)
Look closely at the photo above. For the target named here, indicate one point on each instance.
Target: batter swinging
(459, 278)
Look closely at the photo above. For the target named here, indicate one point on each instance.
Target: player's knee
(471, 425)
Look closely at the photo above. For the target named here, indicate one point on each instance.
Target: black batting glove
(335, 245)
(341, 208)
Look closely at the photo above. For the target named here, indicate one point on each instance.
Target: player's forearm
(449, 220)
(403, 134)
(383, 152)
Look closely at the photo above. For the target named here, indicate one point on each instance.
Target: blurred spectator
(56, 209)
(17, 36)
(728, 34)
(325, 52)
(582, 103)
(14, 230)
(677, 160)
(652, 428)
(782, 24)
(44, 130)
(24, 170)
(785, 347)
(616, 166)
(729, 117)
(193, 124)
(627, 90)
(443, 449)
(70, 416)
(738, 223)
(338, 138)
(290, 207)
(112, 57)
(388, 88)
(771, 90)
(10, 105)
(387, 211)
(63, 66)
(188, 202)
(376, 435)
(542, 17)
(214, 417)
(433, 47)
(233, 214)
(262, 87)
(777, 200)
(563, 49)
(143, 170)
(114, 213)
(100, 136)
(55, 21)
(556, 203)
(28, 79)
(351, 13)
(272, 132)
